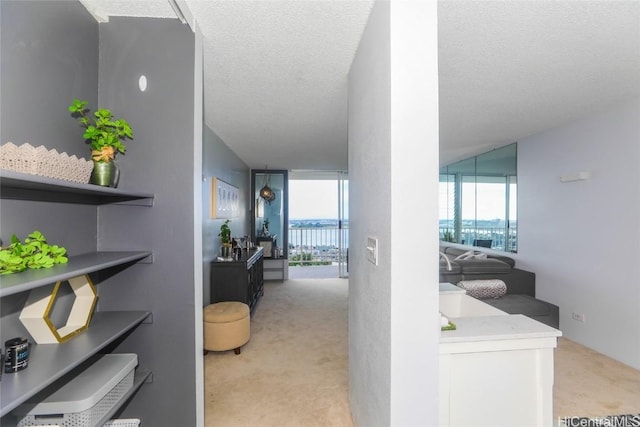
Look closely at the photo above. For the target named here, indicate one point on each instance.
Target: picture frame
(225, 200)
(267, 245)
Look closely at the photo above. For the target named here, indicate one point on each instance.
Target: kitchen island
(496, 369)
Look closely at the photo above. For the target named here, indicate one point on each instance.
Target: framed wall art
(225, 200)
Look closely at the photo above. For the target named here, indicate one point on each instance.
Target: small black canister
(16, 356)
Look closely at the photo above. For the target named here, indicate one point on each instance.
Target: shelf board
(50, 362)
(77, 266)
(20, 186)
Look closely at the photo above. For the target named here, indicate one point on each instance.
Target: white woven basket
(129, 422)
(85, 399)
(42, 162)
(85, 418)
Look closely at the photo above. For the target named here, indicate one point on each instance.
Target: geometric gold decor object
(36, 311)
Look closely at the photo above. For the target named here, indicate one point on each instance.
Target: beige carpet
(590, 384)
(293, 371)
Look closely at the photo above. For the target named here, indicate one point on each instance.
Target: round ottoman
(226, 326)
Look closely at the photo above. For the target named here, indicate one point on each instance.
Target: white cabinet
(276, 269)
(495, 369)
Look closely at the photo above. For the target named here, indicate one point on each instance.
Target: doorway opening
(318, 224)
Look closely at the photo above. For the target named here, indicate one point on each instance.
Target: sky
(313, 199)
(491, 197)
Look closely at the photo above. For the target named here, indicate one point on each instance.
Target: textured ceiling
(509, 69)
(276, 78)
(276, 71)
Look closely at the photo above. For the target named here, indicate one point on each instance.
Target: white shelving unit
(275, 269)
(49, 363)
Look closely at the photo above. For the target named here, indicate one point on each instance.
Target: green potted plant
(34, 253)
(448, 236)
(225, 239)
(104, 134)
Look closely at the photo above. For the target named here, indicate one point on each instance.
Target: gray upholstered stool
(226, 326)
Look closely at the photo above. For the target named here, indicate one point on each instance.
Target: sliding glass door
(343, 224)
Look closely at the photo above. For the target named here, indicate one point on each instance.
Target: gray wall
(44, 66)
(220, 162)
(49, 57)
(51, 52)
(160, 160)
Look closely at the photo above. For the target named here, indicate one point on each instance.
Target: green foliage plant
(305, 259)
(103, 133)
(450, 327)
(225, 233)
(34, 253)
(448, 236)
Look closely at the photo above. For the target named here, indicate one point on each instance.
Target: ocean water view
(319, 237)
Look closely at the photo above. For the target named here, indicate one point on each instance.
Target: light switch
(372, 250)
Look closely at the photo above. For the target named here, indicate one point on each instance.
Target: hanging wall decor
(225, 200)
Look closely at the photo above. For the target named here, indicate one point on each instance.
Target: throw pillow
(464, 255)
(493, 288)
(471, 255)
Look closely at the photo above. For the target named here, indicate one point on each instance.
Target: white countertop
(450, 288)
(492, 328)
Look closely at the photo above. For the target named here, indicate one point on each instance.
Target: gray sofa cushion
(494, 267)
(450, 250)
(455, 267)
(453, 252)
(536, 309)
(481, 266)
(510, 261)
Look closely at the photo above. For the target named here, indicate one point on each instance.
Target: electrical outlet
(578, 316)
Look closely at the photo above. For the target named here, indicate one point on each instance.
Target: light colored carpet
(590, 384)
(293, 371)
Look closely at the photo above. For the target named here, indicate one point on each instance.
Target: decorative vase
(105, 174)
(225, 251)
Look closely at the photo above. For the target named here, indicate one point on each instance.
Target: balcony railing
(495, 234)
(322, 243)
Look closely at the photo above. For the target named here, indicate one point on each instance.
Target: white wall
(582, 238)
(370, 215)
(393, 146)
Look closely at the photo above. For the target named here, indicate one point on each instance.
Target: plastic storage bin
(86, 398)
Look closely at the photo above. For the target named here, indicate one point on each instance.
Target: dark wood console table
(238, 280)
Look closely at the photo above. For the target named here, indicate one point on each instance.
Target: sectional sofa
(520, 297)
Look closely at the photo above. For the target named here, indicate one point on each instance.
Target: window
(478, 200)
